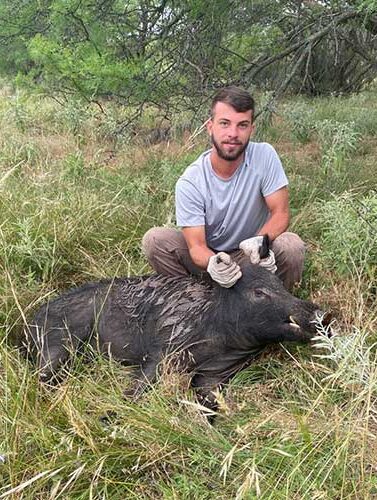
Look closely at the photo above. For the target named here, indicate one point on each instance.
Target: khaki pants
(167, 252)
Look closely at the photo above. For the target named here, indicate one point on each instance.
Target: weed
(17, 112)
(74, 166)
(301, 119)
(353, 361)
(293, 425)
(73, 116)
(32, 251)
(349, 236)
(337, 141)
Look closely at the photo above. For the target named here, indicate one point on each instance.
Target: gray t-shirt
(230, 209)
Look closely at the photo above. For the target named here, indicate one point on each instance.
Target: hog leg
(48, 349)
(143, 377)
(54, 350)
(60, 328)
(205, 388)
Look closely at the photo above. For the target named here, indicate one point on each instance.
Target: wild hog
(213, 332)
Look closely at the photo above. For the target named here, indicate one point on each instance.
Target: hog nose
(327, 319)
(323, 322)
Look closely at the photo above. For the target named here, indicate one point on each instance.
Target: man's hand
(223, 270)
(252, 248)
(269, 262)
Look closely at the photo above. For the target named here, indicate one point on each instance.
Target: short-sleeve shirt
(231, 209)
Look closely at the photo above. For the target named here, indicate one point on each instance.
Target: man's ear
(209, 125)
(253, 127)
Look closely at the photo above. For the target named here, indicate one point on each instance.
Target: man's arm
(219, 266)
(278, 205)
(196, 241)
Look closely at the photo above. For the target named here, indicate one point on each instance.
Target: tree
(173, 54)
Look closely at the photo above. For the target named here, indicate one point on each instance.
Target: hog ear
(265, 248)
(249, 271)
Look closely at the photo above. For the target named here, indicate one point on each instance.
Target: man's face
(230, 131)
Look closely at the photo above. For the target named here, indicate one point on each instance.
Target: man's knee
(289, 246)
(166, 251)
(289, 252)
(150, 241)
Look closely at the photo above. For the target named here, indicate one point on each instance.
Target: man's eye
(223, 124)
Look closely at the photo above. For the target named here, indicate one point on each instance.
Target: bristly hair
(240, 99)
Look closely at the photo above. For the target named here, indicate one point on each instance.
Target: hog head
(267, 312)
(255, 312)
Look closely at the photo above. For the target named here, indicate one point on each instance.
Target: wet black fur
(212, 332)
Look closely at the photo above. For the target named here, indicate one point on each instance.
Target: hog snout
(307, 320)
(322, 322)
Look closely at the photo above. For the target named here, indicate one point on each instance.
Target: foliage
(173, 54)
(302, 121)
(349, 237)
(351, 356)
(337, 141)
(292, 425)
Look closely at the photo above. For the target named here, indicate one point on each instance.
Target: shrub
(74, 166)
(301, 119)
(349, 236)
(337, 141)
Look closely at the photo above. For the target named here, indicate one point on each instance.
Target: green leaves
(174, 54)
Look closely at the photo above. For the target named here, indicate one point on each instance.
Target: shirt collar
(247, 159)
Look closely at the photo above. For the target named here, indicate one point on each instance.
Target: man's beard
(240, 148)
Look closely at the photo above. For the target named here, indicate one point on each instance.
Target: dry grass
(289, 426)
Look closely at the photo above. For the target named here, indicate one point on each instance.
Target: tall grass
(75, 202)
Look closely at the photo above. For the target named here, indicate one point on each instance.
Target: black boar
(213, 332)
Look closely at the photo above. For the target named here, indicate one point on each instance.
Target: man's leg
(167, 252)
(289, 250)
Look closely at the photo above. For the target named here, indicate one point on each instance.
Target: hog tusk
(293, 322)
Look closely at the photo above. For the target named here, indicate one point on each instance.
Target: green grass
(75, 202)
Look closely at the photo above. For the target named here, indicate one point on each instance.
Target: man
(226, 201)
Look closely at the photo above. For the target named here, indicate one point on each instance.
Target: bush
(301, 119)
(337, 141)
(349, 237)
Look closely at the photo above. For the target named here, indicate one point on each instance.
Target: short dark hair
(238, 98)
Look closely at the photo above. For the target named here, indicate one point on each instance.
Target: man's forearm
(200, 255)
(276, 224)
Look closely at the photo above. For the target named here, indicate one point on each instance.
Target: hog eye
(260, 294)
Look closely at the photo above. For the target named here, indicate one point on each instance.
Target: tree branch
(258, 66)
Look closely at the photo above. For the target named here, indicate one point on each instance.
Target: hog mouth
(294, 323)
(321, 322)
(291, 324)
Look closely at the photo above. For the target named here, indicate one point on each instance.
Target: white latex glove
(269, 262)
(251, 247)
(223, 270)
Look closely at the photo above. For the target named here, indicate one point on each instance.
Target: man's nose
(232, 131)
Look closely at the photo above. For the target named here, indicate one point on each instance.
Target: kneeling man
(226, 201)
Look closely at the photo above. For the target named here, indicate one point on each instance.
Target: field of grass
(75, 199)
